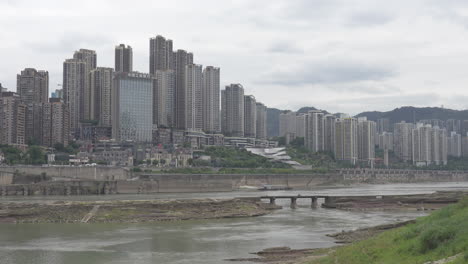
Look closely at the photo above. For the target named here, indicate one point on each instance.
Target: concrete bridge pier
(293, 202)
(272, 200)
(314, 203)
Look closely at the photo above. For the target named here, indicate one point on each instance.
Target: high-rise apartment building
(287, 123)
(33, 86)
(211, 97)
(74, 76)
(163, 99)
(366, 140)
(314, 131)
(232, 110)
(182, 59)
(161, 54)
(261, 121)
(422, 144)
(454, 145)
(12, 119)
(453, 125)
(346, 139)
(89, 57)
(383, 125)
(402, 140)
(300, 125)
(193, 97)
(123, 58)
(101, 95)
(250, 116)
(385, 141)
(56, 126)
(329, 133)
(58, 94)
(439, 146)
(132, 104)
(33, 89)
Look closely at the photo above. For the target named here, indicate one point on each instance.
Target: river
(194, 242)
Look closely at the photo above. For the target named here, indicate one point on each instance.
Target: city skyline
(407, 54)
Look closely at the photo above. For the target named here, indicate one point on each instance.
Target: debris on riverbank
(420, 202)
(132, 211)
(346, 237)
(278, 255)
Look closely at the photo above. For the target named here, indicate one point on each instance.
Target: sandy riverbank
(132, 211)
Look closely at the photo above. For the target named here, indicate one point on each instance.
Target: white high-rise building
(287, 124)
(402, 140)
(346, 139)
(314, 138)
(211, 100)
(193, 97)
(422, 145)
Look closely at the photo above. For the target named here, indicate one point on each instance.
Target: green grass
(442, 234)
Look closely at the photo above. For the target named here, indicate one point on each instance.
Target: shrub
(435, 236)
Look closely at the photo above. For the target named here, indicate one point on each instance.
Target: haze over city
(334, 55)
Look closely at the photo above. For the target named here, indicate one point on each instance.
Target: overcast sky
(339, 55)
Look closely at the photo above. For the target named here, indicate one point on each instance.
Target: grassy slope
(442, 234)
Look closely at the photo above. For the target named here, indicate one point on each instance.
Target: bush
(435, 236)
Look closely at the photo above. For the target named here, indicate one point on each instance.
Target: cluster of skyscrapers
(427, 142)
(349, 139)
(122, 104)
(28, 116)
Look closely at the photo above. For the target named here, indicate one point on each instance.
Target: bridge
(294, 198)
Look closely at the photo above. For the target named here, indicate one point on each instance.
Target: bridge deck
(294, 196)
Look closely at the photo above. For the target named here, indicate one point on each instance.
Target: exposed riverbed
(207, 241)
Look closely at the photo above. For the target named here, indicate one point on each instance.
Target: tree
(35, 155)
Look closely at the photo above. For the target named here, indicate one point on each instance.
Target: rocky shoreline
(132, 211)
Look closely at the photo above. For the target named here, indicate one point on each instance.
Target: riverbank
(424, 202)
(132, 211)
(434, 201)
(441, 237)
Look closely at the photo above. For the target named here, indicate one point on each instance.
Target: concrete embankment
(76, 180)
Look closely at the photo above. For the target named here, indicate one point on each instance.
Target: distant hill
(304, 110)
(414, 114)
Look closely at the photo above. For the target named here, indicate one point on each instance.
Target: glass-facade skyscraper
(132, 113)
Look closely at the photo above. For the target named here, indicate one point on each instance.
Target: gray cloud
(341, 55)
(69, 42)
(369, 19)
(328, 73)
(284, 47)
